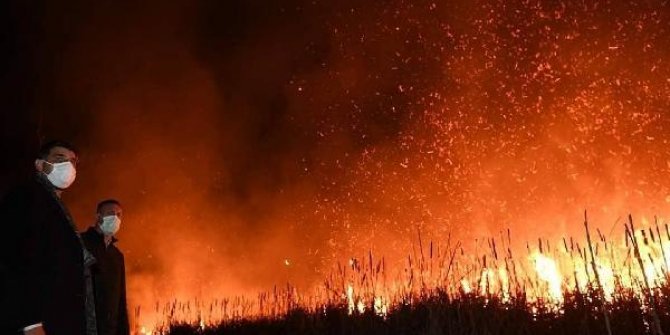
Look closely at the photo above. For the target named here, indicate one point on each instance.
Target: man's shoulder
(22, 187)
(23, 192)
(118, 254)
(116, 250)
(92, 240)
(87, 238)
(88, 233)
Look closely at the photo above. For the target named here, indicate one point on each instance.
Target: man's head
(109, 214)
(58, 161)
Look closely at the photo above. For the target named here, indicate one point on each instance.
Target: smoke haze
(242, 134)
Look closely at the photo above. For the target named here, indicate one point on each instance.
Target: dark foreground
(466, 315)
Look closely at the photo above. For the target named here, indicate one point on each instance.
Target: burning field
(373, 166)
(429, 170)
(595, 285)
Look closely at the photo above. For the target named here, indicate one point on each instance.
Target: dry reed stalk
(601, 292)
(652, 301)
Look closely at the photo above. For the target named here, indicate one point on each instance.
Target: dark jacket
(41, 257)
(109, 281)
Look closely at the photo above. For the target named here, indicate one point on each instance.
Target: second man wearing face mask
(109, 272)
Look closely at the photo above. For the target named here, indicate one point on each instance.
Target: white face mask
(62, 175)
(110, 225)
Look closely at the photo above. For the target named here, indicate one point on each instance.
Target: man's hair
(46, 148)
(106, 202)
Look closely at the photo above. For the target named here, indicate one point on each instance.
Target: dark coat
(41, 257)
(109, 282)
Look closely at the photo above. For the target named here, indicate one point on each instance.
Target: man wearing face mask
(44, 259)
(109, 271)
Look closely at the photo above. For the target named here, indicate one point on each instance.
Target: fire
(504, 284)
(548, 272)
(487, 280)
(543, 278)
(465, 284)
(381, 306)
(360, 306)
(607, 280)
(487, 121)
(350, 299)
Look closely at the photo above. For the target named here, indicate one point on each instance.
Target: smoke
(239, 135)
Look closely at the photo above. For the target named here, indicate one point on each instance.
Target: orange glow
(543, 278)
(384, 152)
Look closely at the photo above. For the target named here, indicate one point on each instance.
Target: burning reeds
(593, 287)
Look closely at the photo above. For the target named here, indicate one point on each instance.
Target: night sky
(239, 134)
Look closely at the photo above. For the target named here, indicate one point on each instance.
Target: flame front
(549, 274)
(541, 280)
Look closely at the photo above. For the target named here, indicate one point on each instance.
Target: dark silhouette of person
(43, 259)
(109, 278)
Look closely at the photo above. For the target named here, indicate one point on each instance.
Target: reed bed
(590, 286)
